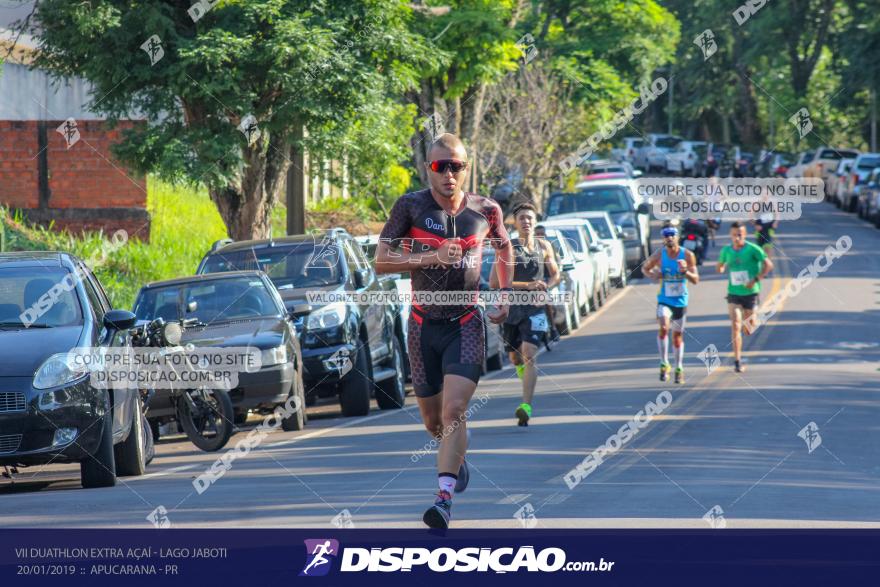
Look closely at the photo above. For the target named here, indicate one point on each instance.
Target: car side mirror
(643, 209)
(596, 248)
(299, 310)
(119, 320)
(618, 229)
(568, 267)
(360, 278)
(637, 173)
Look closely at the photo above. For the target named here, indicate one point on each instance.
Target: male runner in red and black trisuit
(437, 235)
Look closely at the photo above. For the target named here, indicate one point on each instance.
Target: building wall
(78, 187)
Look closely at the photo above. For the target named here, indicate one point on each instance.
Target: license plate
(690, 245)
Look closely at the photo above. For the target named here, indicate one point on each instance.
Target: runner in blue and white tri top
(674, 267)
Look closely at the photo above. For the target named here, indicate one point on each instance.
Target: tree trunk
(246, 207)
(746, 121)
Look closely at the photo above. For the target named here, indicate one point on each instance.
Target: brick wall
(79, 188)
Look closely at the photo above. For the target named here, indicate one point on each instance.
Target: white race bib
(673, 289)
(539, 322)
(739, 277)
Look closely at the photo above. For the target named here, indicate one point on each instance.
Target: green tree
(270, 66)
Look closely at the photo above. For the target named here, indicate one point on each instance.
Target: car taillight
(781, 169)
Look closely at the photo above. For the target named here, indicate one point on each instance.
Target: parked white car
(627, 149)
(611, 236)
(579, 235)
(585, 270)
(825, 160)
(682, 158)
(651, 156)
(837, 179)
(797, 170)
(861, 169)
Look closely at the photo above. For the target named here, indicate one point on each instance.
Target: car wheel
(391, 393)
(575, 317)
(131, 455)
(584, 310)
(297, 420)
(566, 325)
(621, 281)
(354, 392)
(99, 469)
(149, 443)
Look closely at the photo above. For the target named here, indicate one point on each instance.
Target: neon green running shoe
(665, 368)
(520, 369)
(523, 413)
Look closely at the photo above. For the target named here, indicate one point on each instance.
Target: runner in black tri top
(437, 234)
(527, 325)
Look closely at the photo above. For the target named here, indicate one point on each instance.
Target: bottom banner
(173, 557)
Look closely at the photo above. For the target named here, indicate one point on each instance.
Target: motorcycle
(206, 415)
(694, 235)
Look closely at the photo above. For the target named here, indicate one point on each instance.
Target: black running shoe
(439, 514)
(464, 475)
(523, 414)
(738, 367)
(679, 376)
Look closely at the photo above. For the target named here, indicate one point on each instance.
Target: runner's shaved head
(447, 146)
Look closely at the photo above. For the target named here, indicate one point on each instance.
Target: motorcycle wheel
(207, 418)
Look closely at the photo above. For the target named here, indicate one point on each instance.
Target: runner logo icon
(320, 553)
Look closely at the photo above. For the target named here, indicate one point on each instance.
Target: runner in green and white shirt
(746, 264)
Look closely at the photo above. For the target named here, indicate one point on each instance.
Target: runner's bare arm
(554, 277)
(652, 263)
(692, 274)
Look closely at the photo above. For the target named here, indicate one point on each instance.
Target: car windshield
(303, 264)
(572, 238)
(667, 142)
(720, 150)
(612, 199)
(808, 157)
(607, 169)
(701, 150)
(600, 225)
(41, 297)
(836, 155)
(869, 162)
(554, 241)
(216, 300)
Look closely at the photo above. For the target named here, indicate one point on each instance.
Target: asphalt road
(727, 442)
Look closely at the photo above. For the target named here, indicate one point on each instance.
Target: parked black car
(237, 309)
(50, 411)
(350, 349)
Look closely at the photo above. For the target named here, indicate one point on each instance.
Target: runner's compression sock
(663, 347)
(447, 482)
(679, 355)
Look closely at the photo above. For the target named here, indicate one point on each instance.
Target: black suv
(352, 349)
(238, 309)
(50, 411)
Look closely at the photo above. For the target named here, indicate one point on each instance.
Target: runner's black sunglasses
(444, 165)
